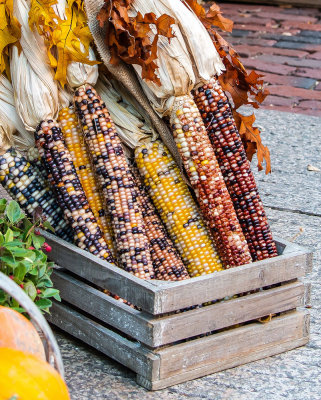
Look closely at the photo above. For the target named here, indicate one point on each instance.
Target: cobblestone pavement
(293, 199)
(285, 45)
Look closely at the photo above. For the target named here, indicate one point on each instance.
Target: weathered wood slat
(230, 282)
(101, 273)
(113, 312)
(178, 363)
(157, 297)
(155, 332)
(129, 353)
(235, 344)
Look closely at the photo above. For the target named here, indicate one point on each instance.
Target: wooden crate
(166, 346)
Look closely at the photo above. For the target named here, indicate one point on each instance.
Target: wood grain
(229, 347)
(129, 353)
(155, 332)
(195, 358)
(158, 297)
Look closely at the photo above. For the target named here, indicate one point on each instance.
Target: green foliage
(22, 258)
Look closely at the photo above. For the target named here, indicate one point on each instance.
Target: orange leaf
(252, 140)
(215, 16)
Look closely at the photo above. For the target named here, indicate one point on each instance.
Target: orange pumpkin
(28, 378)
(17, 332)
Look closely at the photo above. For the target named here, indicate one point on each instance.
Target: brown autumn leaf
(252, 140)
(215, 16)
(211, 18)
(132, 39)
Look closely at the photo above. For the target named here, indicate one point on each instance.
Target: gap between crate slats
(155, 332)
(192, 359)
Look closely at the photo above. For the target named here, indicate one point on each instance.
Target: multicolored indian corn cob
(177, 209)
(62, 174)
(26, 185)
(236, 169)
(116, 183)
(206, 179)
(75, 143)
(167, 263)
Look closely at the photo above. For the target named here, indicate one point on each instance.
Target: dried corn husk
(126, 76)
(201, 48)
(175, 67)
(12, 131)
(180, 62)
(35, 91)
(131, 128)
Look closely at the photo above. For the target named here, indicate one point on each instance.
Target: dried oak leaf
(243, 87)
(10, 33)
(134, 39)
(252, 140)
(211, 18)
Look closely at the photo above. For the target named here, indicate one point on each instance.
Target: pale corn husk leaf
(175, 67)
(131, 129)
(79, 74)
(127, 77)
(65, 97)
(12, 131)
(35, 91)
(206, 59)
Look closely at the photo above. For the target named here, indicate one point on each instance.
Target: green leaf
(13, 212)
(20, 271)
(46, 225)
(3, 204)
(31, 290)
(41, 271)
(1, 239)
(19, 310)
(3, 296)
(8, 235)
(22, 253)
(9, 260)
(43, 303)
(50, 292)
(37, 241)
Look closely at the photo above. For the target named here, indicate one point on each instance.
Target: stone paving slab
(293, 375)
(292, 37)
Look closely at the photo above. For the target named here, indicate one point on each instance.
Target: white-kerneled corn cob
(177, 209)
(206, 178)
(26, 185)
(62, 174)
(236, 169)
(167, 263)
(72, 133)
(116, 182)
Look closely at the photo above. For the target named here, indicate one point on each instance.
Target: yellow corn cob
(167, 263)
(206, 179)
(72, 133)
(177, 209)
